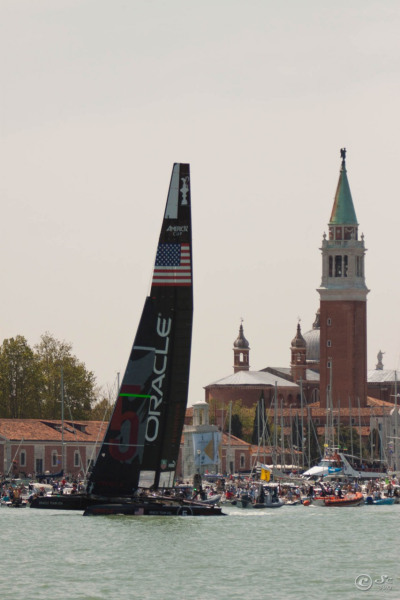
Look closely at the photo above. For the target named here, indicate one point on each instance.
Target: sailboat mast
(395, 445)
(359, 426)
(275, 424)
(229, 442)
(282, 437)
(309, 435)
(302, 423)
(351, 428)
(62, 419)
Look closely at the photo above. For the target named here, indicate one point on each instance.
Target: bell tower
(241, 352)
(343, 305)
(298, 363)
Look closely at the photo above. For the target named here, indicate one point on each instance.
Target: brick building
(35, 446)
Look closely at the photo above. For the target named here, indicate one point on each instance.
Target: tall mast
(229, 441)
(302, 423)
(62, 420)
(275, 424)
(395, 445)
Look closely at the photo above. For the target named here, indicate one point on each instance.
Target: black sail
(141, 445)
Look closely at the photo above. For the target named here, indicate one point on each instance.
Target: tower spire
(343, 213)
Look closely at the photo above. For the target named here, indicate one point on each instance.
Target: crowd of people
(233, 487)
(17, 493)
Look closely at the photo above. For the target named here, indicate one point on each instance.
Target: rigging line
(76, 439)
(119, 444)
(12, 462)
(90, 461)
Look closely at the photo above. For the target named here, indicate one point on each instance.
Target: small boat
(379, 501)
(264, 498)
(336, 463)
(20, 503)
(349, 499)
(10, 504)
(292, 502)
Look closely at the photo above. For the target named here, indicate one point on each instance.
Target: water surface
(287, 553)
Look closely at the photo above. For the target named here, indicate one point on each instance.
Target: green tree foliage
(30, 380)
(218, 412)
(57, 361)
(20, 380)
(236, 426)
(350, 440)
(102, 410)
(242, 420)
(315, 445)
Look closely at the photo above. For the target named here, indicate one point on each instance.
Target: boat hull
(154, 509)
(248, 503)
(63, 502)
(379, 501)
(356, 499)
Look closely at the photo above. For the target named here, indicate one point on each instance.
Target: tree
(349, 440)
(57, 363)
(236, 426)
(219, 413)
(242, 420)
(102, 410)
(20, 380)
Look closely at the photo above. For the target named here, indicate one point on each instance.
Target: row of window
(55, 458)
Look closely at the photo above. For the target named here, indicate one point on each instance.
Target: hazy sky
(100, 97)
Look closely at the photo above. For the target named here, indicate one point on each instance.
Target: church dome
(312, 340)
(241, 341)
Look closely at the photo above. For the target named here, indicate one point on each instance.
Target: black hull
(162, 509)
(67, 502)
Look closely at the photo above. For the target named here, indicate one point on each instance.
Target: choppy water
(291, 552)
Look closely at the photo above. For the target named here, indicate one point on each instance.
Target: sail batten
(141, 445)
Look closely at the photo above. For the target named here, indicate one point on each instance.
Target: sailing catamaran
(135, 469)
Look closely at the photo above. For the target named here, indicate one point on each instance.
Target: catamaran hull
(153, 509)
(67, 502)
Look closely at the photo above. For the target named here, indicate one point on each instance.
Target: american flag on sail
(173, 265)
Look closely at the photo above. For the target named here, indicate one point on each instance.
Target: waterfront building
(29, 447)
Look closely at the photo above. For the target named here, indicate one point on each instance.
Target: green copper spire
(343, 212)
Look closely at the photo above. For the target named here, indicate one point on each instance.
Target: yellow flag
(265, 475)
